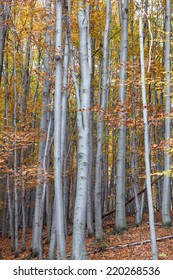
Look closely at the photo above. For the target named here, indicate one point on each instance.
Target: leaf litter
(132, 244)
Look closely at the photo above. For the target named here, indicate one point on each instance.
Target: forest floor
(132, 244)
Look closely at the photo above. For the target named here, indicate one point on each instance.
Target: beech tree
(146, 137)
(100, 129)
(59, 210)
(166, 219)
(79, 221)
(39, 202)
(120, 219)
(134, 156)
(85, 127)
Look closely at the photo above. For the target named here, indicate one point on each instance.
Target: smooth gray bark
(52, 247)
(8, 190)
(64, 135)
(90, 189)
(79, 220)
(37, 231)
(45, 179)
(100, 129)
(23, 205)
(16, 216)
(146, 137)
(120, 216)
(59, 213)
(134, 154)
(166, 219)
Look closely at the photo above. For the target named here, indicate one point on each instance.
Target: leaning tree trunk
(166, 220)
(120, 216)
(79, 221)
(134, 153)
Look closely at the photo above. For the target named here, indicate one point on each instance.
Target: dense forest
(85, 122)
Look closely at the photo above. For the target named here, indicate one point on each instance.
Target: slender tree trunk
(16, 218)
(23, 204)
(6, 117)
(105, 170)
(36, 233)
(52, 247)
(59, 215)
(134, 154)
(90, 190)
(146, 138)
(45, 179)
(166, 220)
(4, 216)
(120, 217)
(4, 16)
(100, 130)
(79, 221)
(64, 133)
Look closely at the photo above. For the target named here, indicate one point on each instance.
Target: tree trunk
(79, 221)
(59, 213)
(134, 154)
(4, 16)
(16, 218)
(100, 130)
(146, 138)
(37, 232)
(120, 216)
(166, 219)
(90, 188)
